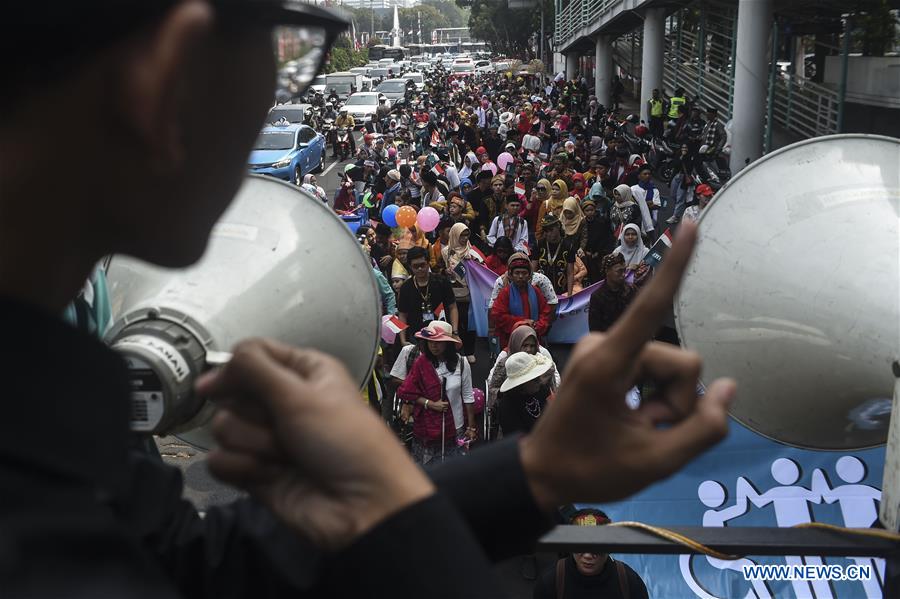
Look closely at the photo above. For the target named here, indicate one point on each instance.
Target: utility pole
(372, 9)
(419, 17)
(541, 40)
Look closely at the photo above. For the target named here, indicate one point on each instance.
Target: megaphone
(793, 291)
(279, 264)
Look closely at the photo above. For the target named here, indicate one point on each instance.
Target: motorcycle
(661, 158)
(342, 143)
(712, 170)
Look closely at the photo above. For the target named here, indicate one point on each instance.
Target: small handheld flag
(658, 251)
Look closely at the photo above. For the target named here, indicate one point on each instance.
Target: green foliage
(507, 30)
(874, 28)
(344, 59)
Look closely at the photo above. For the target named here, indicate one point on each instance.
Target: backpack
(561, 578)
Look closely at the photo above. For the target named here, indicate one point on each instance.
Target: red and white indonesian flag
(435, 139)
(437, 169)
(666, 237)
(519, 189)
(390, 327)
(440, 313)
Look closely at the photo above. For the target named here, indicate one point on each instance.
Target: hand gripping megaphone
(793, 291)
(279, 264)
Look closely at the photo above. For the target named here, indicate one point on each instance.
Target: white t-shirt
(399, 370)
(459, 388)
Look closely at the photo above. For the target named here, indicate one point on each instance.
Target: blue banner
(749, 480)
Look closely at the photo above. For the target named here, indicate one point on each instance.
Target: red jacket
(495, 264)
(504, 322)
(422, 380)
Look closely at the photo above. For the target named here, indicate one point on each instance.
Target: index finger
(642, 318)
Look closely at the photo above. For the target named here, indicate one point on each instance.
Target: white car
(362, 104)
(484, 66)
(418, 79)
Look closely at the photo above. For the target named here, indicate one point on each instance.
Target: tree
(432, 19)
(454, 15)
(874, 27)
(507, 30)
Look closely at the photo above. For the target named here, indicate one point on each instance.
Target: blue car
(288, 151)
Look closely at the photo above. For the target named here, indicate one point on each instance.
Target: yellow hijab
(571, 224)
(456, 251)
(555, 204)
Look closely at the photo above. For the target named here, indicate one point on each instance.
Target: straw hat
(506, 117)
(438, 330)
(522, 367)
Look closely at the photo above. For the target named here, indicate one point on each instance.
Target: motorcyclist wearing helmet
(333, 96)
(330, 112)
(344, 119)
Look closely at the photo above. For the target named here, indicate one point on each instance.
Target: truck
(341, 82)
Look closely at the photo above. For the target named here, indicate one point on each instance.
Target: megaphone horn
(271, 270)
(793, 291)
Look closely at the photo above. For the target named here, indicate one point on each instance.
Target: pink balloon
(428, 219)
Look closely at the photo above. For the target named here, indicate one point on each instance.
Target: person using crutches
(439, 386)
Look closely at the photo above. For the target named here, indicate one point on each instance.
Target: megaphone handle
(889, 512)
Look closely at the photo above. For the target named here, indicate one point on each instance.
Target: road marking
(331, 166)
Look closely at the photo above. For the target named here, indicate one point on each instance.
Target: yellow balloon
(406, 216)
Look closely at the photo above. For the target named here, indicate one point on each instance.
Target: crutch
(443, 432)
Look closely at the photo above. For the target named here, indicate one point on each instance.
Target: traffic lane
(330, 177)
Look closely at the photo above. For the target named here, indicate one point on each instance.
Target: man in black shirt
(480, 198)
(590, 575)
(613, 297)
(424, 296)
(555, 256)
(328, 484)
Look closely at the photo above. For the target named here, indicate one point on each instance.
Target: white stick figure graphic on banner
(713, 495)
(859, 508)
(791, 504)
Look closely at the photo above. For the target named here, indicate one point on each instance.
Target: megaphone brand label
(171, 358)
(147, 404)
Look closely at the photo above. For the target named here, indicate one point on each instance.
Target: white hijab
(466, 171)
(633, 255)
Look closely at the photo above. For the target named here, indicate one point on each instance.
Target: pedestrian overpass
(779, 71)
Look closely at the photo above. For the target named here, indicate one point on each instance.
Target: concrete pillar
(571, 64)
(751, 80)
(603, 69)
(652, 60)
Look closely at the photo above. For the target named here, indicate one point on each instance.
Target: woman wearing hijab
(578, 189)
(457, 251)
(469, 162)
(559, 191)
(600, 240)
(625, 211)
(465, 186)
(439, 386)
(522, 339)
(632, 249)
(646, 195)
(574, 225)
(311, 185)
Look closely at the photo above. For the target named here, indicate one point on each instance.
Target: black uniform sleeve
(491, 492)
(446, 294)
(545, 585)
(405, 300)
(636, 587)
(425, 550)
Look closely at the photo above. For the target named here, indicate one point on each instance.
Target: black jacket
(88, 512)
